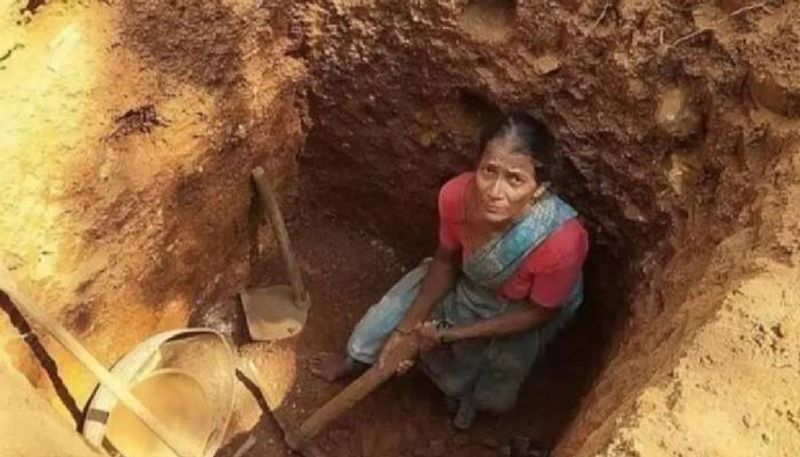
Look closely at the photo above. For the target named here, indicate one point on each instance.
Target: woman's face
(506, 183)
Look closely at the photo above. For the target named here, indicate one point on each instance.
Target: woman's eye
(490, 170)
(515, 180)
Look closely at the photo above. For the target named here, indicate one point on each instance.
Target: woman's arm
(552, 284)
(505, 324)
(439, 280)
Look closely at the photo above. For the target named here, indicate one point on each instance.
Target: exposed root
(602, 16)
(760, 5)
(690, 36)
(744, 9)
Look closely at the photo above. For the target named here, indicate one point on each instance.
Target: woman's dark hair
(524, 135)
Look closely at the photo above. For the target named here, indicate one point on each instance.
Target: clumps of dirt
(142, 119)
(198, 41)
(489, 21)
(774, 81)
(776, 92)
(32, 5)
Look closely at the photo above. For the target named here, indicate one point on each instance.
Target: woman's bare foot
(331, 367)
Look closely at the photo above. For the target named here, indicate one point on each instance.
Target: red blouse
(550, 271)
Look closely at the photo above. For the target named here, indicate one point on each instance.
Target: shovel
(276, 312)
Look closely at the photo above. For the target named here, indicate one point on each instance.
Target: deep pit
(132, 128)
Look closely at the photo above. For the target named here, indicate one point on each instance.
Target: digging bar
(250, 369)
(352, 394)
(40, 316)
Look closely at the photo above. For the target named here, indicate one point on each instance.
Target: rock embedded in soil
(489, 21)
(546, 63)
(777, 90)
(774, 68)
(676, 115)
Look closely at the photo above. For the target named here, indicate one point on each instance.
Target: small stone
(675, 115)
(546, 64)
(777, 90)
(461, 439)
(437, 448)
(241, 131)
(681, 173)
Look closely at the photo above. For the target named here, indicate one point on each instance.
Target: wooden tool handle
(352, 394)
(301, 298)
(250, 370)
(38, 315)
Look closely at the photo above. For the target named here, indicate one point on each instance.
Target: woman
(505, 278)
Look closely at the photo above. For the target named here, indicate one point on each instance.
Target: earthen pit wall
(663, 143)
(129, 133)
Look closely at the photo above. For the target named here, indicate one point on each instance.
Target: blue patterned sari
(487, 371)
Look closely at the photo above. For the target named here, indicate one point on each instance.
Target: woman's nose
(495, 190)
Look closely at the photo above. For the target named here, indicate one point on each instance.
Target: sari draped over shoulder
(489, 371)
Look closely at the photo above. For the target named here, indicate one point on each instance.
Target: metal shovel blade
(271, 313)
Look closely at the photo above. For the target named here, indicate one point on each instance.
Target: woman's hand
(427, 336)
(399, 340)
(424, 337)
